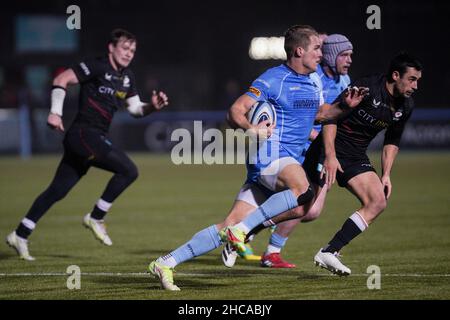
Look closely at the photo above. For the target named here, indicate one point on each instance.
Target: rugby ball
(262, 111)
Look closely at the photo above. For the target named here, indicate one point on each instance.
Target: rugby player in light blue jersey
(333, 73)
(294, 89)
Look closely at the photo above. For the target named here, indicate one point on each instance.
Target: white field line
(144, 274)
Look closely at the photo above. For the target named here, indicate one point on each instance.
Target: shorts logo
(85, 68)
(366, 165)
(255, 91)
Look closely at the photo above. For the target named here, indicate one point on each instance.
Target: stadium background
(198, 53)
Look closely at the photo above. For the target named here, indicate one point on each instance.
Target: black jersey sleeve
(394, 132)
(88, 69)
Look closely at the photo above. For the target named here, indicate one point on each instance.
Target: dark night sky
(194, 47)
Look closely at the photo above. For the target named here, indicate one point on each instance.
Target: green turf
(410, 242)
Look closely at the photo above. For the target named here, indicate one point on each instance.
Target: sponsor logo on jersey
(85, 68)
(112, 92)
(255, 91)
(371, 119)
(106, 90)
(108, 76)
(306, 103)
(126, 82)
(121, 94)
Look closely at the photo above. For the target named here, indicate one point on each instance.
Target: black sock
(23, 231)
(98, 214)
(255, 231)
(348, 231)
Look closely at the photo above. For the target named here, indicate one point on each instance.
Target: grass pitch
(410, 242)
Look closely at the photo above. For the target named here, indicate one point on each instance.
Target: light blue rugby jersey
(331, 89)
(296, 99)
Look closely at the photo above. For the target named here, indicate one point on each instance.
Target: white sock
(103, 205)
(28, 223)
(243, 227)
(167, 261)
(272, 249)
(359, 221)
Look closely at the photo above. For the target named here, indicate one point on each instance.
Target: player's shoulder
(274, 74)
(272, 78)
(91, 65)
(96, 60)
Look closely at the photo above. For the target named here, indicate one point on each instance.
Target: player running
(343, 157)
(280, 183)
(106, 85)
(333, 72)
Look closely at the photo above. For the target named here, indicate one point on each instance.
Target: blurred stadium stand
(198, 53)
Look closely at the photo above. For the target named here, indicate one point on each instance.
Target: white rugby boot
(229, 256)
(20, 245)
(98, 227)
(331, 262)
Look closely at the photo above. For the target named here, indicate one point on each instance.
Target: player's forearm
(329, 136)
(329, 112)
(237, 114)
(238, 120)
(148, 108)
(388, 156)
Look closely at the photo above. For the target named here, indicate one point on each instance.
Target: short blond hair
(298, 36)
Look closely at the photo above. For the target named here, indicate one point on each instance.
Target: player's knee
(377, 205)
(306, 197)
(132, 173)
(56, 193)
(381, 204)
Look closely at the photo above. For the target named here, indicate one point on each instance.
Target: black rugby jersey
(378, 111)
(103, 90)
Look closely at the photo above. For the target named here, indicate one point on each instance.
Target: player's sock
(202, 242)
(276, 243)
(25, 228)
(352, 227)
(268, 223)
(100, 209)
(276, 204)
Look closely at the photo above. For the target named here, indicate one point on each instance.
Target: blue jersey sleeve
(265, 87)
